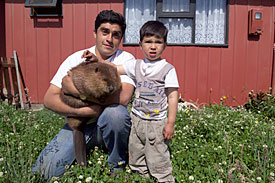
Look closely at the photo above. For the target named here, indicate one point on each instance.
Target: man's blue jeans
(111, 132)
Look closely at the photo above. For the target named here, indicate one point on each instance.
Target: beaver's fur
(95, 81)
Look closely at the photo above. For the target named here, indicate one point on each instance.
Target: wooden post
(18, 79)
(7, 78)
(11, 77)
(15, 85)
(2, 97)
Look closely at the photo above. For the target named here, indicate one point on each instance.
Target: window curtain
(180, 29)
(210, 21)
(209, 18)
(137, 12)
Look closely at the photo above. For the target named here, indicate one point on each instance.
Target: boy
(156, 82)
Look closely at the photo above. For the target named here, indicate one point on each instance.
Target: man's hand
(168, 131)
(89, 56)
(68, 85)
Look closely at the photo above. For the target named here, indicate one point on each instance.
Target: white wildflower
(272, 174)
(259, 178)
(191, 177)
(55, 182)
(264, 146)
(220, 181)
(89, 179)
(1, 159)
(215, 149)
(99, 162)
(202, 155)
(1, 174)
(220, 147)
(80, 177)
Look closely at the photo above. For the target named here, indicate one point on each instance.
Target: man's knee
(115, 117)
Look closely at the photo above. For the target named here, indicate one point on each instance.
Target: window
(190, 22)
(42, 8)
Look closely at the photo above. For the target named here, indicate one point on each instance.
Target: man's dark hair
(109, 16)
(153, 28)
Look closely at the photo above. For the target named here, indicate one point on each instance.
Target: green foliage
(213, 144)
(23, 135)
(220, 143)
(262, 103)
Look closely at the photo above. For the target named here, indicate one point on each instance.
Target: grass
(216, 143)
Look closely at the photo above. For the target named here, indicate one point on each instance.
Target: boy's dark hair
(153, 28)
(109, 16)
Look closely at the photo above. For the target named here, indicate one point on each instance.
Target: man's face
(108, 37)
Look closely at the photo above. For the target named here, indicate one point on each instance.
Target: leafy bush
(262, 103)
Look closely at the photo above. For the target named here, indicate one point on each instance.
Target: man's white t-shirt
(120, 57)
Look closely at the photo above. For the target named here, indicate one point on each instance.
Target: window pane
(137, 12)
(180, 30)
(210, 21)
(175, 5)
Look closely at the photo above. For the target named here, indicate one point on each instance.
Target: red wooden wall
(2, 29)
(205, 73)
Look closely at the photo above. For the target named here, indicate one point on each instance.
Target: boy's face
(152, 47)
(108, 37)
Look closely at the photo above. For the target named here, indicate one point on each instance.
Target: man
(113, 124)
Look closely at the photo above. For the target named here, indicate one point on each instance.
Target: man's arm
(53, 102)
(168, 131)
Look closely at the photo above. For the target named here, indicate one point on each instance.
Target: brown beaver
(95, 81)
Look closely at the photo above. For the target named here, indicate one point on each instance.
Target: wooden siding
(205, 73)
(2, 29)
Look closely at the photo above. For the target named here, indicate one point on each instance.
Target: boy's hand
(89, 56)
(168, 131)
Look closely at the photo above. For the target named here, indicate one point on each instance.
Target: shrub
(262, 103)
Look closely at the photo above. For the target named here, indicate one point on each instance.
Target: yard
(216, 143)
